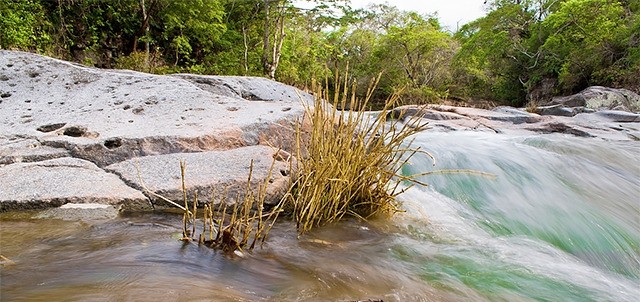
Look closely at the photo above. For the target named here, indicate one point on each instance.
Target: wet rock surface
(603, 124)
(55, 182)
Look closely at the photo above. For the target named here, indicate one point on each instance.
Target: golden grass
(349, 161)
(532, 106)
(231, 228)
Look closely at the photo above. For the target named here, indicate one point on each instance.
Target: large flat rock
(59, 181)
(223, 173)
(107, 116)
(63, 123)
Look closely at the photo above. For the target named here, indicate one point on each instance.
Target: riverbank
(77, 135)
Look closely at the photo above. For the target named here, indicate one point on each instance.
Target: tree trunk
(246, 51)
(145, 26)
(266, 37)
(273, 25)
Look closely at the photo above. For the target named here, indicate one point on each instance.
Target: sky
(451, 13)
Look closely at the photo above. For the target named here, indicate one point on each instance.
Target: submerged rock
(55, 109)
(80, 211)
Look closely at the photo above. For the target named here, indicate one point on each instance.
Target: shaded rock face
(52, 109)
(593, 98)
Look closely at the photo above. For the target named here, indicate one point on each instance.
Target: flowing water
(559, 222)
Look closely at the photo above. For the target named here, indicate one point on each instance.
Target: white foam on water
(449, 221)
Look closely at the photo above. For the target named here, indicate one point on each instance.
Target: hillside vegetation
(522, 50)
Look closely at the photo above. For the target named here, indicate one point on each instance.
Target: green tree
(305, 52)
(416, 53)
(495, 59)
(23, 25)
(189, 29)
(582, 39)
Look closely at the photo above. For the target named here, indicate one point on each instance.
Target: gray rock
(602, 98)
(55, 182)
(107, 116)
(619, 116)
(577, 121)
(63, 122)
(248, 88)
(408, 111)
(500, 114)
(27, 150)
(212, 172)
(556, 110)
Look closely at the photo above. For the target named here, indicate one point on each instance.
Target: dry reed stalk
(234, 230)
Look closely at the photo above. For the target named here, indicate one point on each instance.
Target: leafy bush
(23, 25)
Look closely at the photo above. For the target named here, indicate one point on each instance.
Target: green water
(560, 222)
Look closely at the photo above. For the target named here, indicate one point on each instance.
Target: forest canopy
(521, 51)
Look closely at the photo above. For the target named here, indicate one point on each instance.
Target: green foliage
(23, 25)
(411, 51)
(416, 53)
(421, 95)
(492, 62)
(189, 29)
(583, 37)
(520, 51)
(92, 30)
(512, 53)
(304, 54)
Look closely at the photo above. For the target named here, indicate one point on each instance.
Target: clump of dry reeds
(238, 227)
(349, 161)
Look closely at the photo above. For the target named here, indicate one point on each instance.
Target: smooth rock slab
(212, 172)
(55, 182)
(27, 150)
(107, 116)
(602, 98)
(619, 116)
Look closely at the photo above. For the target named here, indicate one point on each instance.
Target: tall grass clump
(349, 161)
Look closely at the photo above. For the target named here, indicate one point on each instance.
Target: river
(559, 222)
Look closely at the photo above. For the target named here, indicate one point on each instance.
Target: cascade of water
(560, 221)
